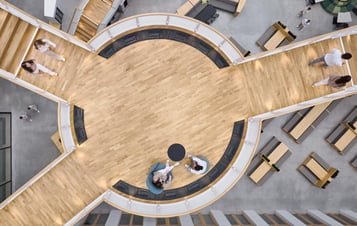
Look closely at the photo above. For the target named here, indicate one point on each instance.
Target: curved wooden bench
(195, 186)
(162, 33)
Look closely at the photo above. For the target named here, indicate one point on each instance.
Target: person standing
(335, 58)
(334, 81)
(304, 11)
(33, 107)
(35, 68)
(304, 22)
(25, 117)
(46, 46)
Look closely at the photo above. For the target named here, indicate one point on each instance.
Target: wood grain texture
(146, 97)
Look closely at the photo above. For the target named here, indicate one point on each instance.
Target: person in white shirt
(304, 22)
(25, 117)
(33, 107)
(35, 68)
(334, 81)
(46, 46)
(162, 178)
(197, 166)
(335, 58)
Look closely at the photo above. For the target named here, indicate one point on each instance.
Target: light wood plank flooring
(146, 97)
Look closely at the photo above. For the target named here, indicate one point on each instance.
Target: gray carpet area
(32, 148)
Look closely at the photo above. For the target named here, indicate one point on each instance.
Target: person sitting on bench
(197, 165)
(163, 178)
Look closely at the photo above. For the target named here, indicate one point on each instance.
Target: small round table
(176, 152)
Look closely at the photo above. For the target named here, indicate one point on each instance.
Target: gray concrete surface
(32, 148)
(36, 9)
(288, 189)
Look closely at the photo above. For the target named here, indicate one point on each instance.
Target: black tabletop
(176, 152)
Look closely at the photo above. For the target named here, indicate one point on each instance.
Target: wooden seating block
(274, 36)
(308, 119)
(308, 174)
(240, 7)
(344, 141)
(260, 172)
(277, 153)
(319, 168)
(274, 41)
(185, 8)
(56, 139)
(316, 168)
(345, 133)
(272, 153)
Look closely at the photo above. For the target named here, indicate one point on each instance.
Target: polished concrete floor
(287, 189)
(32, 147)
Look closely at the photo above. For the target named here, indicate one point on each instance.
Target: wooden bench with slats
(317, 171)
(275, 36)
(270, 159)
(305, 121)
(344, 135)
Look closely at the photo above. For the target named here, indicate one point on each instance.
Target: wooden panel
(12, 63)
(13, 44)
(277, 153)
(96, 10)
(260, 172)
(316, 168)
(7, 33)
(4, 16)
(308, 119)
(185, 8)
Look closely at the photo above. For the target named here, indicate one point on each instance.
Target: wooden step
(19, 54)
(96, 10)
(87, 22)
(108, 2)
(8, 32)
(12, 47)
(81, 37)
(82, 34)
(4, 16)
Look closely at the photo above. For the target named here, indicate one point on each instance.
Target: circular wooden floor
(153, 94)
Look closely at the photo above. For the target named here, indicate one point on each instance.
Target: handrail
(174, 21)
(185, 206)
(335, 34)
(113, 9)
(40, 24)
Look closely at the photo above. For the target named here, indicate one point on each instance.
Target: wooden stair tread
(3, 18)
(13, 62)
(5, 37)
(14, 44)
(96, 10)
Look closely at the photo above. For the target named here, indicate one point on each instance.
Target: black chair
(338, 25)
(354, 10)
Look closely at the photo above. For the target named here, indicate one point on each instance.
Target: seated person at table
(162, 178)
(197, 165)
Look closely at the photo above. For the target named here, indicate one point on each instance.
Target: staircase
(92, 16)
(15, 38)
